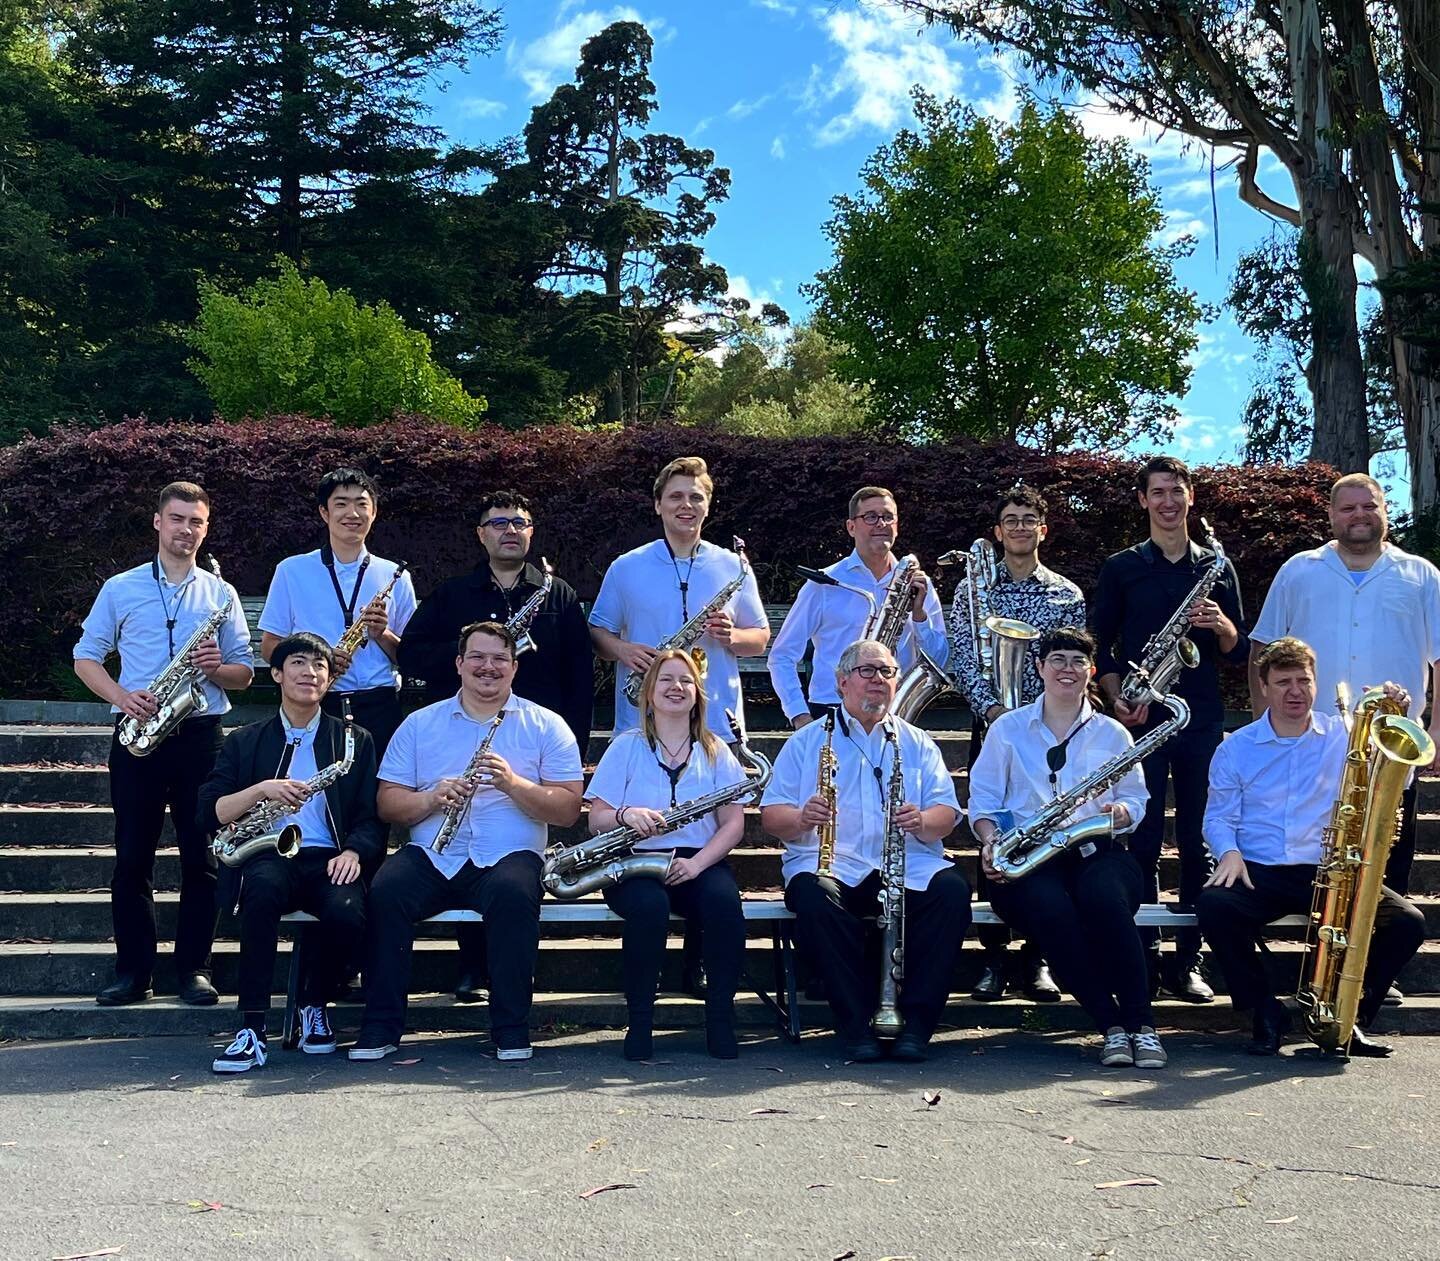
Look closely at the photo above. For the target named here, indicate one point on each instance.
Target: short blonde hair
(686, 466)
(1287, 653)
(1357, 479)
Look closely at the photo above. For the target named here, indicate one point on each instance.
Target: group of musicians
(479, 774)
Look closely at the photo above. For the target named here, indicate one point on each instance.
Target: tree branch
(1254, 196)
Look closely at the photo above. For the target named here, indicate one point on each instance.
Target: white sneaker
(376, 1052)
(1117, 1052)
(246, 1052)
(1148, 1051)
(316, 1035)
(514, 1053)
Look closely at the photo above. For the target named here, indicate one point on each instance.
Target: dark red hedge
(77, 505)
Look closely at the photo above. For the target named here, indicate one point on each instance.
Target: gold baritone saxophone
(1384, 747)
(453, 816)
(357, 634)
(825, 790)
(887, 1021)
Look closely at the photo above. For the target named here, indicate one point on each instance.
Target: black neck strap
(327, 556)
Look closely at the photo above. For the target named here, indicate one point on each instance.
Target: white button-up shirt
(302, 598)
(630, 775)
(1366, 629)
(129, 616)
(311, 817)
(640, 600)
(437, 743)
(860, 797)
(1011, 775)
(1271, 797)
(832, 619)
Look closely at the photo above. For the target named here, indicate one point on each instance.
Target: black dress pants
(1233, 921)
(271, 886)
(408, 889)
(834, 924)
(712, 902)
(377, 709)
(995, 937)
(1081, 913)
(140, 790)
(1402, 853)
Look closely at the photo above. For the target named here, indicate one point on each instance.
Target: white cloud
(550, 60)
(777, 6)
(744, 108)
(777, 148)
(481, 107)
(1178, 226)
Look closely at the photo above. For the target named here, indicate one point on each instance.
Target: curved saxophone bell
(1010, 641)
(285, 842)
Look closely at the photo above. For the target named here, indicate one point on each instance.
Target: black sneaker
(316, 1035)
(249, 1050)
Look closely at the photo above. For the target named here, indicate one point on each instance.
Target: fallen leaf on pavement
(205, 1206)
(931, 1097)
(846, 1104)
(13, 1143)
(1280, 1221)
(769, 1112)
(1128, 1182)
(597, 1145)
(1254, 1114)
(870, 1178)
(108, 1252)
(176, 1077)
(844, 1256)
(1067, 1139)
(609, 1186)
(815, 1186)
(1361, 1147)
(1029, 1112)
(407, 1063)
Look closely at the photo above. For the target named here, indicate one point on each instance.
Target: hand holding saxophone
(139, 704)
(1206, 614)
(814, 812)
(720, 626)
(206, 657)
(645, 822)
(290, 793)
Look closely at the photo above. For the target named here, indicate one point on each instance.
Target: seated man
(271, 764)
(476, 779)
(1273, 785)
(835, 896)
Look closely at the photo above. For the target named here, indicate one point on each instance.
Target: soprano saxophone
(524, 617)
(826, 791)
(453, 816)
(887, 1022)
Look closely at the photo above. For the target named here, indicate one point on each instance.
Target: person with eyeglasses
(1079, 907)
(1026, 591)
(830, 616)
(559, 674)
(835, 912)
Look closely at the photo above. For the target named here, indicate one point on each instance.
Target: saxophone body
(524, 617)
(453, 816)
(607, 858)
(826, 791)
(357, 635)
(1017, 852)
(178, 687)
(255, 831)
(1170, 649)
(689, 634)
(1384, 746)
(887, 1022)
(887, 621)
(1000, 644)
(921, 684)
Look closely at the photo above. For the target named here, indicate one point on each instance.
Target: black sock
(255, 1020)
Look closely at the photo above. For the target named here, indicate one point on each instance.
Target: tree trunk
(290, 127)
(615, 392)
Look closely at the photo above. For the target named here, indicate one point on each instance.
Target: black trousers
(834, 924)
(1081, 913)
(377, 709)
(1402, 853)
(1233, 921)
(271, 886)
(140, 790)
(1185, 759)
(712, 902)
(409, 889)
(994, 937)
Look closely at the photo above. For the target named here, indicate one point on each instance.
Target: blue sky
(794, 97)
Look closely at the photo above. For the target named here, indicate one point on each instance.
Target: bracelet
(620, 817)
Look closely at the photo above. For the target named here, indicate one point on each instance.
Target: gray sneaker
(1117, 1052)
(1147, 1049)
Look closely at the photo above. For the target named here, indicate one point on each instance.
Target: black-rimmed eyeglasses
(870, 672)
(876, 518)
(507, 523)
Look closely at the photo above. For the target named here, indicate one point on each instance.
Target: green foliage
(291, 345)
(1006, 281)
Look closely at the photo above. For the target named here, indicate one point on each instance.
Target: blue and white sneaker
(248, 1051)
(316, 1035)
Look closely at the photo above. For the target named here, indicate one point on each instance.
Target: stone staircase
(55, 857)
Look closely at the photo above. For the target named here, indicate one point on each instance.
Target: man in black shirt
(558, 674)
(1139, 590)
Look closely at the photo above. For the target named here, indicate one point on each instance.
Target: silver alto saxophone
(887, 1022)
(1019, 851)
(686, 637)
(1170, 649)
(178, 687)
(255, 831)
(609, 857)
(519, 625)
(453, 816)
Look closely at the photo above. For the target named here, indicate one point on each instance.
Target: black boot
(990, 987)
(720, 1029)
(1272, 1022)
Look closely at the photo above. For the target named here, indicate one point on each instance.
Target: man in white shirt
(831, 617)
(147, 614)
(1273, 786)
(328, 590)
(651, 592)
(832, 911)
(1369, 611)
(497, 806)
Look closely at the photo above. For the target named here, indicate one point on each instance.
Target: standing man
(1139, 591)
(528, 777)
(1024, 591)
(834, 617)
(147, 614)
(327, 590)
(558, 675)
(832, 910)
(652, 591)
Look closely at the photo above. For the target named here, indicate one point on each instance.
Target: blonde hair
(686, 466)
(699, 731)
(1358, 479)
(1287, 653)
(868, 492)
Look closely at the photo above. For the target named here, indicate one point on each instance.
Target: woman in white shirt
(672, 758)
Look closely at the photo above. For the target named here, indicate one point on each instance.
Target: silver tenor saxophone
(453, 816)
(178, 687)
(519, 625)
(1170, 649)
(687, 635)
(608, 858)
(1024, 847)
(887, 1022)
(256, 831)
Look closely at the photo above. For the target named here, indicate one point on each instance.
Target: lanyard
(674, 773)
(328, 557)
(170, 618)
(683, 583)
(876, 768)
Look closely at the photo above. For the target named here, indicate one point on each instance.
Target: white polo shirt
(629, 774)
(860, 797)
(1366, 629)
(437, 743)
(312, 816)
(302, 598)
(640, 600)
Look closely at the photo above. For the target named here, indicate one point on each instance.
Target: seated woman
(673, 757)
(1079, 907)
